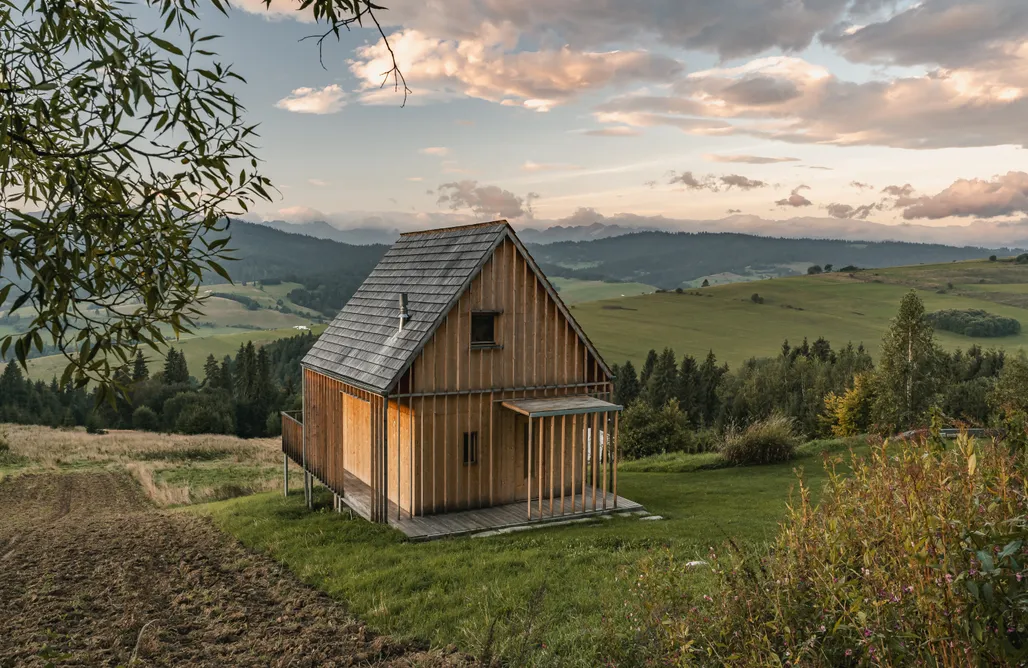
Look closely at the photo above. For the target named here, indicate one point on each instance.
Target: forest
(241, 395)
(687, 405)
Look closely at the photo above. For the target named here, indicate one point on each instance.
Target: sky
(829, 116)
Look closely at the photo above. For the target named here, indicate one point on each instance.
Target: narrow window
(470, 448)
(483, 329)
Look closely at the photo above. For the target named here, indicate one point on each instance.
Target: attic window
(483, 329)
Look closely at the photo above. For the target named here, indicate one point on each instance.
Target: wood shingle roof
(364, 345)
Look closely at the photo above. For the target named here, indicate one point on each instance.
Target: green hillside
(575, 291)
(839, 307)
(196, 350)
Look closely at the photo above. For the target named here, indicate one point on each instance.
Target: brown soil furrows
(91, 574)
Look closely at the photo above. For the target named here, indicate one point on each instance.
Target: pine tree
(626, 385)
(821, 350)
(13, 388)
(907, 379)
(710, 377)
(140, 371)
(181, 370)
(245, 371)
(263, 389)
(647, 370)
(211, 373)
(689, 388)
(663, 382)
(170, 364)
(225, 375)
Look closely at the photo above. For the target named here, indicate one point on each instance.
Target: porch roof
(550, 406)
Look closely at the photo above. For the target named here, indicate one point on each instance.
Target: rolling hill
(841, 307)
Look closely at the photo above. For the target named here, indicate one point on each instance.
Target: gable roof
(364, 345)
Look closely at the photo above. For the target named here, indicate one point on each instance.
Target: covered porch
(464, 522)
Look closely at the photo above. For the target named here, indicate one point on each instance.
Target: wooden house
(455, 380)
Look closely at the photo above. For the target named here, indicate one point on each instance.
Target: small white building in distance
(301, 327)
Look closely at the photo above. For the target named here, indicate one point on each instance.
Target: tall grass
(173, 469)
(913, 557)
(766, 441)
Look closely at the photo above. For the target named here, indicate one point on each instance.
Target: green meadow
(836, 306)
(576, 291)
(546, 597)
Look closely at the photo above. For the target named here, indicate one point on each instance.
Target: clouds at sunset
(889, 111)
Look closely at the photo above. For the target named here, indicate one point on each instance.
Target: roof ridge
(456, 227)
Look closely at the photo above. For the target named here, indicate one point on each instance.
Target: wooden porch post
(285, 474)
(529, 455)
(384, 486)
(614, 461)
(605, 445)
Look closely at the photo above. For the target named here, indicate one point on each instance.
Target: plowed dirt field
(91, 574)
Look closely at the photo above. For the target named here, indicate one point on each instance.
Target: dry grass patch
(173, 469)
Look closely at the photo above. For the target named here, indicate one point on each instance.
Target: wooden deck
(465, 522)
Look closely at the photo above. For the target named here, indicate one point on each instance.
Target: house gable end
(538, 341)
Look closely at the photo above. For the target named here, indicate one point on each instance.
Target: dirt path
(91, 574)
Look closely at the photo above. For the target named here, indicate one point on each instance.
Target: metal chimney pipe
(404, 315)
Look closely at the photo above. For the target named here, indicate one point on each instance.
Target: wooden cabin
(456, 379)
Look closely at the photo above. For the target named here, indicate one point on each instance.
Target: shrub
(911, 559)
(992, 258)
(273, 425)
(974, 322)
(756, 299)
(647, 431)
(202, 419)
(144, 419)
(1022, 258)
(766, 441)
(95, 424)
(816, 269)
(849, 414)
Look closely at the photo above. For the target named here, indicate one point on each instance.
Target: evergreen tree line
(670, 404)
(241, 395)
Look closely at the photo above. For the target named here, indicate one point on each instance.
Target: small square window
(483, 329)
(470, 448)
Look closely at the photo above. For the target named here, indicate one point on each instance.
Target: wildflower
(849, 652)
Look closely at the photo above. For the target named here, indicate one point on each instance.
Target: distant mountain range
(586, 225)
(671, 260)
(384, 235)
(597, 252)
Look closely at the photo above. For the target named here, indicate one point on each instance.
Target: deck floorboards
(357, 495)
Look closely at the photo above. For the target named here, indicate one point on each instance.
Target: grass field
(266, 295)
(172, 469)
(547, 597)
(545, 593)
(839, 307)
(576, 291)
